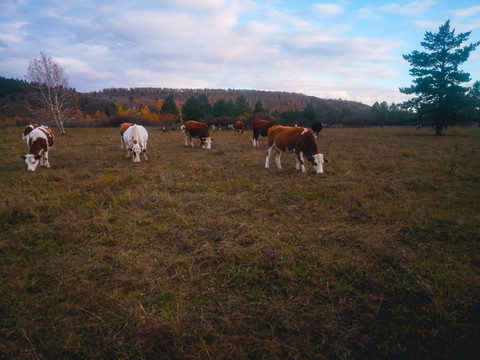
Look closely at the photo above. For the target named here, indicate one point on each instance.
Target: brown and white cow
(135, 138)
(239, 127)
(40, 140)
(260, 127)
(123, 128)
(197, 129)
(28, 130)
(298, 139)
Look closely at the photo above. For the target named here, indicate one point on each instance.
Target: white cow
(135, 138)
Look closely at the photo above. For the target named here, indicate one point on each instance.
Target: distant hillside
(271, 100)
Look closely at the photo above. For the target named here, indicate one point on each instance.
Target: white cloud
(328, 9)
(412, 8)
(471, 11)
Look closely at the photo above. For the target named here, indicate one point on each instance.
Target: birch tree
(48, 92)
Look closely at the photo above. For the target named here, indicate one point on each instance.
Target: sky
(344, 49)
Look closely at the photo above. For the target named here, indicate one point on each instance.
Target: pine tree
(437, 83)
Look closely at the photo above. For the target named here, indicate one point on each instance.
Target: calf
(298, 139)
(135, 138)
(260, 127)
(40, 140)
(239, 127)
(197, 129)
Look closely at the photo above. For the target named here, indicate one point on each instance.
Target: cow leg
(267, 159)
(300, 162)
(44, 159)
(186, 139)
(145, 154)
(277, 159)
(121, 142)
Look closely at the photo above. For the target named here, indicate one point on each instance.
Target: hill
(271, 100)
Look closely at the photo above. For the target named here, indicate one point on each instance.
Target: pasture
(205, 254)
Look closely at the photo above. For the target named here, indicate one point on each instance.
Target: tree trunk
(438, 128)
(62, 129)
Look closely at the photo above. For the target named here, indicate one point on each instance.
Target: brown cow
(260, 127)
(198, 129)
(239, 127)
(123, 128)
(298, 139)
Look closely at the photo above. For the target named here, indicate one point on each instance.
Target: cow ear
(211, 139)
(24, 157)
(325, 158)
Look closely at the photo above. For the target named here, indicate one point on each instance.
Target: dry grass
(204, 254)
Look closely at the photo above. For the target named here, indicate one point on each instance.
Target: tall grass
(205, 254)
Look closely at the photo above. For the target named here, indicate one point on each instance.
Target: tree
(169, 106)
(48, 92)
(258, 109)
(242, 107)
(191, 110)
(309, 112)
(437, 76)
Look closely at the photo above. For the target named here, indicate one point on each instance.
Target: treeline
(169, 107)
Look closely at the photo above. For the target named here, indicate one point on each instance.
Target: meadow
(205, 254)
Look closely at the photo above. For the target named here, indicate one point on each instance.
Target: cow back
(197, 129)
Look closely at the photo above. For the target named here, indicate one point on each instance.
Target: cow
(135, 138)
(260, 127)
(40, 140)
(123, 128)
(316, 128)
(239, 127)
(298, 139)
(28, 129)
(194, 129)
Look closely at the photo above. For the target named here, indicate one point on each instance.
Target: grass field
(205, 254)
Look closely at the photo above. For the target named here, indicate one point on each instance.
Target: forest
(169, 107)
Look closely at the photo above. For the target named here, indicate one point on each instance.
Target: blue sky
(331, 49)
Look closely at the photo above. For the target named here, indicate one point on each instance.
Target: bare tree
(48, 92)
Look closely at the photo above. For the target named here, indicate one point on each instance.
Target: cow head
(136, 152)
(206, 143)
(317, 162)
(31, 161)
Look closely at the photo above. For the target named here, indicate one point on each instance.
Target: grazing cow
(316, 128)
(135, 138)
(419, 126)
(164, 129)
(194, 129)
(230, 127)
(123, 128)
(260, 127)
(40, 140)
(239, 127)
(28, 130)
(298, 139)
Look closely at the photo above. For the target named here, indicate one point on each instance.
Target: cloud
(412, 8)
(328, 9)
(463, 13)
